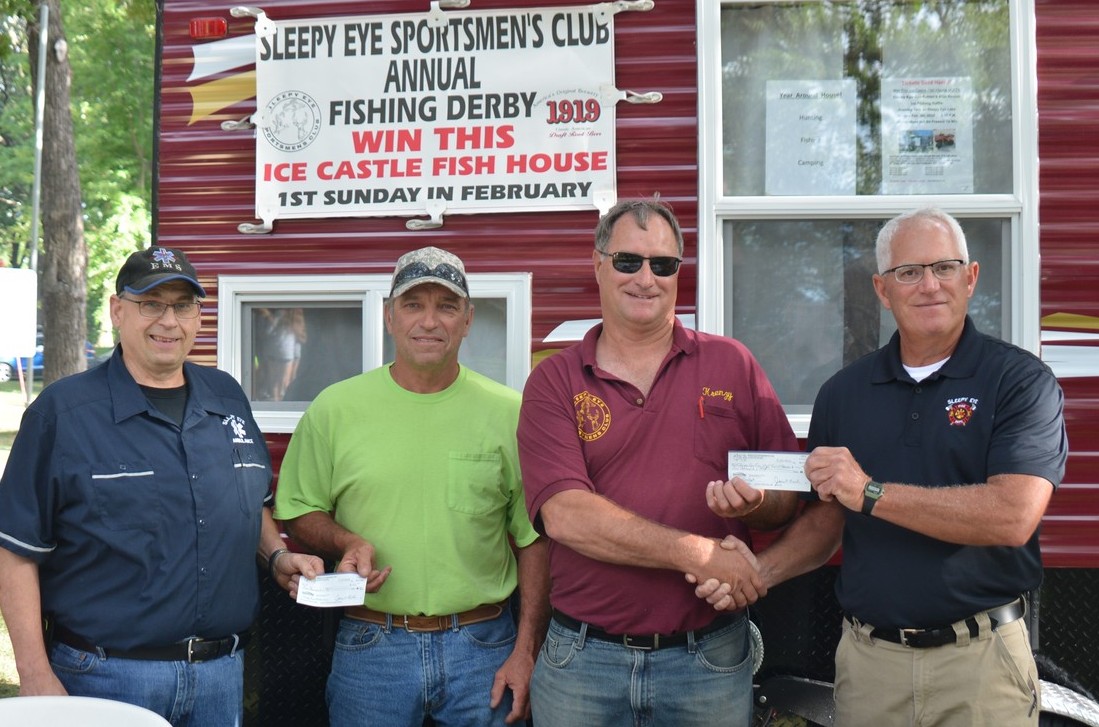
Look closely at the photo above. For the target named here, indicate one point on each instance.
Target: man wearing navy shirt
(934, 457)
(132, 508)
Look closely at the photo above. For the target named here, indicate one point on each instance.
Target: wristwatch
(870, 496)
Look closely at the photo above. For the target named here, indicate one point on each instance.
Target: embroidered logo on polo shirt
(593, 416)
(960, 411)
(709, 392)
(240, 434)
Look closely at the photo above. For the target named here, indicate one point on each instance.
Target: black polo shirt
(992, 409)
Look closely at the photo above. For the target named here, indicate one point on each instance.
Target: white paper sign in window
(927, 135)
(811, 137)
(435, 113)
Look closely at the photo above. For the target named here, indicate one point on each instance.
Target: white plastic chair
(82, 711)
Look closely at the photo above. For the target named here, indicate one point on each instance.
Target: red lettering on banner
(463, 166)
(579, 161)
(476, 137)
(284, 172)
(370, 168)
(388, 140)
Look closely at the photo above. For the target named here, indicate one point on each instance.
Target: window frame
(1019, 208)
(370, 291)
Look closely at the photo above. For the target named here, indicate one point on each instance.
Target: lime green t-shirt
(430, 480)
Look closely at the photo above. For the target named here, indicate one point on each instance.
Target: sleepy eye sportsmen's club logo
(291, 121)
(593, 416)
(960, 411)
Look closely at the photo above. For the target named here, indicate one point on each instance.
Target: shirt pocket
(475, 483)
(252, 479)
(126, 495)
(718, 429)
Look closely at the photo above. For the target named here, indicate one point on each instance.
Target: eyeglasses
(912, 274)
(629, 263)
(443, 271)
(155, 309)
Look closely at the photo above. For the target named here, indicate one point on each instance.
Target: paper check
(770, 470)
(332, 589)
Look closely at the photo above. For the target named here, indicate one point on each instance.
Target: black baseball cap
(146, 269)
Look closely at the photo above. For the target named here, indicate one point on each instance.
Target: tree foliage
(16, 142)
(111, 48)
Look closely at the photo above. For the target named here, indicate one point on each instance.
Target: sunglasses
(629, 263)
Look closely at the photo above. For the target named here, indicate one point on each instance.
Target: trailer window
(286, 337)
(823, 314)
(819, 121)
(866, 98)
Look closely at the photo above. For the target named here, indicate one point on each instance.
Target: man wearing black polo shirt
(131, 511)
(935, 457)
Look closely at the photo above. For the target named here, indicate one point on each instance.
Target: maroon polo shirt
(582, 428)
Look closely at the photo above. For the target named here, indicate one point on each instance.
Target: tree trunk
(64, 256)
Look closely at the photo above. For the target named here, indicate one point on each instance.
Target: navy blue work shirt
(144, 532)
(992, 409)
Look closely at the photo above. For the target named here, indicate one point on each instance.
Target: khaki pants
(989, 681)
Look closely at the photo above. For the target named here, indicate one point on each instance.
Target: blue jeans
(585, 681)
(392, 677)
(204, 694)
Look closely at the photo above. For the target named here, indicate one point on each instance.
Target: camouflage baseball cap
(429, 265)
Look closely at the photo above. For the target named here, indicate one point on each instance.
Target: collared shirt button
(918, 389)
(915, 415)
(202, 522)
(194, 476)
(640, 401)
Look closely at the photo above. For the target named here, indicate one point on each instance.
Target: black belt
(649, 642)
(929, 638)
(192, 650)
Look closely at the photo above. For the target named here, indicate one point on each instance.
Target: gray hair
(641, 210)
(884, 247)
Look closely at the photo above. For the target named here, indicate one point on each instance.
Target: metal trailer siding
(206, 176)
(1068, 142)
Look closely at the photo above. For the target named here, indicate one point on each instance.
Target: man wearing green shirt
(409, 475)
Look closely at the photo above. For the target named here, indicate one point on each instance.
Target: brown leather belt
(486, 612)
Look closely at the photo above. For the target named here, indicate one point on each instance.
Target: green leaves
(111, 46)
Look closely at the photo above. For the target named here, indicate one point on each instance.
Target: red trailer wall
(1068, 140)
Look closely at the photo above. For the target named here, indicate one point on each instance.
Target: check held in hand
(770, 470)
(332, 589)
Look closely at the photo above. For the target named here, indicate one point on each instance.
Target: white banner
(435, 113)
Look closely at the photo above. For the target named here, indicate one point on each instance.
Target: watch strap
(871, 493)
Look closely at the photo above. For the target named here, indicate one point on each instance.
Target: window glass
(287, 337)
(293, 352)
(481, 350)
(896, 96)
(800, 295)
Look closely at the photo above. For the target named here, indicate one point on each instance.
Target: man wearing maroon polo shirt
(623, 443)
